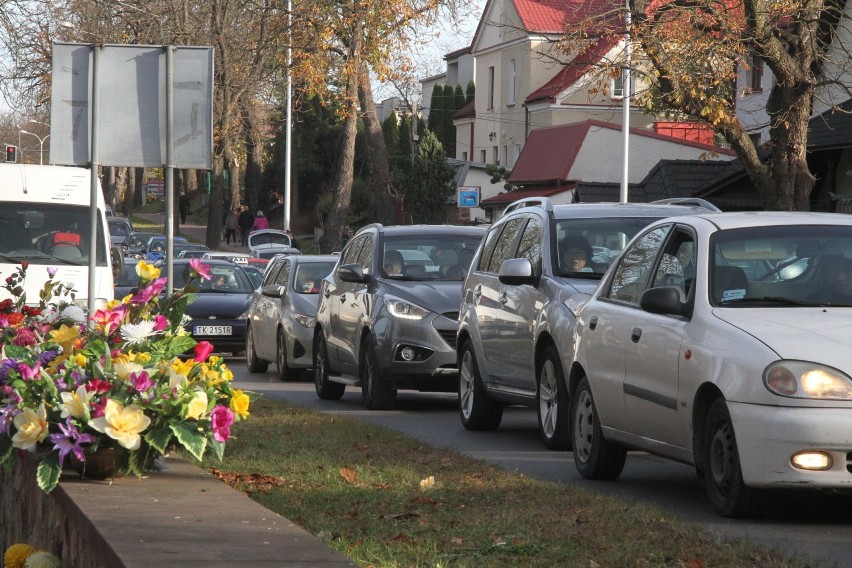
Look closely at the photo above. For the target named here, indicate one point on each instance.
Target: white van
(45, 219)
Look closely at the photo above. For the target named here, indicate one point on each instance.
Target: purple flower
(7, 414)
(141, 381)
(47, 356)
(70, 440)
(51, 271)
(6, 366)
(28, 373)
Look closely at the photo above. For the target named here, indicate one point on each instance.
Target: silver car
(536, 265)
(282, 314)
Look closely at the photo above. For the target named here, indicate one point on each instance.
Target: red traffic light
(11, 153)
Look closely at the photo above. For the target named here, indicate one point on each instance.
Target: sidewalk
(191, 231)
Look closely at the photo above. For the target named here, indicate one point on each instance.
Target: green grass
(358, 487)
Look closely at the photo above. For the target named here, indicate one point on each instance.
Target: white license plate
(213, 330)
(240, 260)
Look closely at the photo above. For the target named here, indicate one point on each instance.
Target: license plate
(213, 330)
(240, 260)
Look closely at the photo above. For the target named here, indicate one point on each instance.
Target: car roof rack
(693, 201)
(542, 202)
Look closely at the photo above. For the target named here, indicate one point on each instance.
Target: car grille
(449, 336)
(451, 315)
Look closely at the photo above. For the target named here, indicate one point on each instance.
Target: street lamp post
(40, 143)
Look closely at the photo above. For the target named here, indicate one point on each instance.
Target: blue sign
(468, 196)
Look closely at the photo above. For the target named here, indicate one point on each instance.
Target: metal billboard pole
(289, 123)
(94, 158)
(625, 121)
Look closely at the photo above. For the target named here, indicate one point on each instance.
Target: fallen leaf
(401, 516)
(694, 563)
(401, 537)
(457, 540)
(351, 514)
(349, 475)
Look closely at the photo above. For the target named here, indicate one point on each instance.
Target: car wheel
(477, 411)
(723, 478)
(554, 412)
(326, 389)
(254, 364)
(285, 373)
(376, 391)
(594, 456)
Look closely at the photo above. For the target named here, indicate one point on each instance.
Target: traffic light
(11, 153)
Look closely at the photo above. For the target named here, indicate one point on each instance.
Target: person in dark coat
(183, 206)
(245, 221)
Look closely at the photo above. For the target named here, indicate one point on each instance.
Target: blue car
(156, 249)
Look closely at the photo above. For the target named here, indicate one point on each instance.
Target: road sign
(468, 196)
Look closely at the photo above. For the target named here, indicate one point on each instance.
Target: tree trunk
(129, 191)
(214, 213)
(254, 157)
(386, 205)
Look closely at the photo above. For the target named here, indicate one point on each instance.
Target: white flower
(134, 333)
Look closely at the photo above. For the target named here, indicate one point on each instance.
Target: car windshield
(585, 248)
(224, 278)
(428, 257)
(786, 266)
(309, 275)
(128, 276)
(137, 240)
(118, 229)
(48, 234)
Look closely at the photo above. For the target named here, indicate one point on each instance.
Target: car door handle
(477, 292)
(635, 335)
(593, 322)
(342, 298)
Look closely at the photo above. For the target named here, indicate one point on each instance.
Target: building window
(491, 87)
(464, 156)
(754, 73)
(482, 157)
(755, 138)
(504, 155)
(516, 153)
(495, 153)
(510, 96)
(617, 86)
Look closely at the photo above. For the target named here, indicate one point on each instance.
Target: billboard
(131, 105)
(468, 196)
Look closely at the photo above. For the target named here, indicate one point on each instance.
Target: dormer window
(616, 86)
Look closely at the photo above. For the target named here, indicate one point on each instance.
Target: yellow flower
(122, 423)
(147, 271)
(126, 299)
(65, 336)
(197, 407)
(123, 370)
(214, 360)
(240, 403)
(427, 483)
(32, 427)
(80, 360)
(141, 358)
(112, 304)
(42, 559)
(76, 403)
(16, 555)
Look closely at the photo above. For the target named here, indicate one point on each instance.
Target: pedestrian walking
(183, 207)
(260, 222)
(231, 226)
(245, 221)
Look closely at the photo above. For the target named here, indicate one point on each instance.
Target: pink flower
(25, 337)
(147, 294)
(109, 320)
(200, 269)
(203, 351)
(51, 271)
(28, 373)
(141, 381)
(221, 419)
(161, 322)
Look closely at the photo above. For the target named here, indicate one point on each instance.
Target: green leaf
(190, 438)
(159, 439)
(219, 448)
(48, 472)
(17, 352)
(181, 344)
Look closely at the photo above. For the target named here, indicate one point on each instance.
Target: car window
(504, 248)
(272, 273)
(365, 256)
(632, 274)
(444, 255)
(603, 238)
(530, 244)
(283, 274)
(350, 253)
(488, 248)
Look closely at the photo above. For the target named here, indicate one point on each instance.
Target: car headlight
(304, 320)
(405, 310)
(802, 379)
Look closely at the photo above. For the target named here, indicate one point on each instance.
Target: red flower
(203, 351)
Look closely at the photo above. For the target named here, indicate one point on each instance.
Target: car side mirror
(271, 291)
(517, 271)
(117, 257)
(352, 273)
(665, 300)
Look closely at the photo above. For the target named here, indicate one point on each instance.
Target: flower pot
(99, 464)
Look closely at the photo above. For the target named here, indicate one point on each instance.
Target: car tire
(377, 393)
(478, 411)
(285, 373)
(594, 456)
(254, 364)
(723, 478)
(554, 411)
(326, 389)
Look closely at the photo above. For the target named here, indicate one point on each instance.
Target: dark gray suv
(388, 312)
(535, 266)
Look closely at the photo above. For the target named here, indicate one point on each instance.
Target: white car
(699, 346)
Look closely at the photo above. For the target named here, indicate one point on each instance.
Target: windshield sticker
(735, 294)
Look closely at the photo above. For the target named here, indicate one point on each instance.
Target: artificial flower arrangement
(22, 555)
(70, 387)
